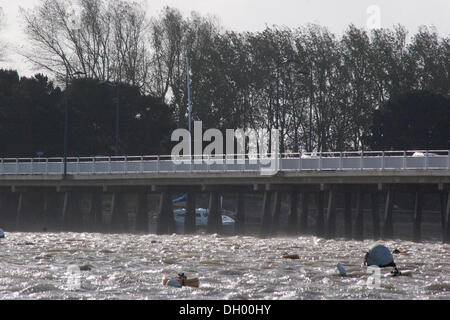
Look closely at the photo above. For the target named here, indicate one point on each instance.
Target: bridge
(46, 191)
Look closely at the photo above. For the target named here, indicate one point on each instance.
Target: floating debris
(342, 270)
(2, 234)
(181, 281)
(291, 256)
(86, 267)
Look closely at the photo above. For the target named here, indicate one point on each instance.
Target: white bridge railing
(367, 160)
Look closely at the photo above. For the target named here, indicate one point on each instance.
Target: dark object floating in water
(86, 267)
(291, 256)
(2, 234)
(181, 281)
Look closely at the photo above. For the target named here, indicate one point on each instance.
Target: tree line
(276, 78)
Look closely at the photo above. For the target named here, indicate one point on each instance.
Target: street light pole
(310, 107)
(66, 117)
(188, 79)
(117, 118)
(66, 122)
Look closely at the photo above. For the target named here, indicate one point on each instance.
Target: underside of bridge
(360, 206)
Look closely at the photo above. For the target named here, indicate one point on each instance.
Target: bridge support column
(142, 212)
(166, 222)
(331, 214)
(240, 214)
(304, 213)
(8, 211)
(96, 212)
(214, 216)
(320, 214)
(348, 215)
(189, 221)
(276, 213)
(446, 222)
(417, 228)
(74, 214)
(63, 219)
(267, 218)
(388, 229)
(359, 222)
(292, 227)
(375, 216)
(20, 214)
(119, 217)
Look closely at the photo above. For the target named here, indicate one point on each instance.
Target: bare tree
(103, 39)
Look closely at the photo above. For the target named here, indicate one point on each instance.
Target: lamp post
(66, 116)
(117, 127)
(188, 81)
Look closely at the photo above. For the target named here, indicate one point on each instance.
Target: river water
(127, 266)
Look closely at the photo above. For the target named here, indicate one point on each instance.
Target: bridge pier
(331, 214)
(240, 214)
(189, 220)
(445, 206)
(94, 215)
(266, 218)
(417, 231)
(119, 219)
(9, 210)
(166, 222)
(388, 229)
(214, 216)
(320, 213)
(20, 214)
(292, 227)
(276, 213)
(304, 213)
(359, 222)
(375, 216)
(142, 223)
(348, 215)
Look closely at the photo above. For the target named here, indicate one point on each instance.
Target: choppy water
(35, 266)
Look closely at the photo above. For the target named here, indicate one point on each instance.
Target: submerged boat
(201, 220)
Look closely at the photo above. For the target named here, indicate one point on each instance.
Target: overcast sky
(254, 15)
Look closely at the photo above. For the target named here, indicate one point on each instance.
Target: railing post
(157, 164)
(280, 162)
(93, 164)
(142, 164)
(448, 154)
(300, 164)
(361, 161)
(109, 165)
(382, 161)
(17, 166)
(78, 165)
(340, 161)
(426, 161)
(1, 162)
(404, 159)
(46, 165)
(31, 166)
(126, 164)
(320, 161)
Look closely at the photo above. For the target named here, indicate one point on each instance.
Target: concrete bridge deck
(325, 175)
